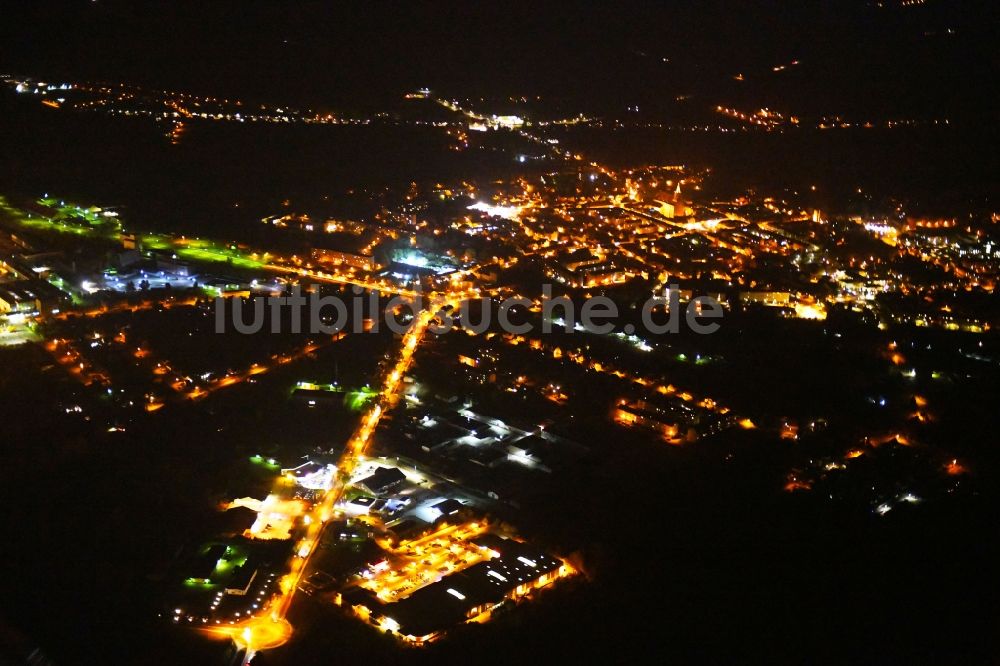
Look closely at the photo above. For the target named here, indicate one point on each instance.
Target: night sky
(854, 55)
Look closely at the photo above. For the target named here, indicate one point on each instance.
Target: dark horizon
(854, 57)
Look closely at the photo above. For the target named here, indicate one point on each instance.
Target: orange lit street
(269, 628)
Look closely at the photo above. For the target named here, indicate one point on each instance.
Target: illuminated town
(775, 446)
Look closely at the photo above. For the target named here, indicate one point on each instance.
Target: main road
(270, 628)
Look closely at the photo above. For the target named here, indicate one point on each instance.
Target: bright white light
(413, 259)
(880, 229)
(456, 593)
(509, 121)
(506, 212)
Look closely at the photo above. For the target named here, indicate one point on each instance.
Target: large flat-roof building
(381, 480)
(28, 296)
(514, 570)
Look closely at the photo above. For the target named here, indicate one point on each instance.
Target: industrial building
(513, 571)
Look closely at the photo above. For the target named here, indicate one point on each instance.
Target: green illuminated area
(62, 286)
(231, 560)
(58, 216)
(355, 400)
(269, 463)
(29, 221)
(312, 386)
(94, 216)
(197, 249)
(698, 359)
(96, 222)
